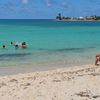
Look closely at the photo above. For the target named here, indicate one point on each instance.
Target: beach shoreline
(72, 83)
(25, 68)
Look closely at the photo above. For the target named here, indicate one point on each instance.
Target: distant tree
(63, 17)
(97, 18)
(57, 17)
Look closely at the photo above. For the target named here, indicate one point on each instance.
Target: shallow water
(49, 42)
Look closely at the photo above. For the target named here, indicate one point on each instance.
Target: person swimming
(23, 45)
(4, 46)
(11, 43)
(15, 44)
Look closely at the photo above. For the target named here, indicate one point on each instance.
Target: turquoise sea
(49, 42)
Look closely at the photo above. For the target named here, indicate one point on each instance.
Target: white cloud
(24, 1)
(48, 3)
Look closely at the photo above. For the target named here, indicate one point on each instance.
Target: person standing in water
(23, 45)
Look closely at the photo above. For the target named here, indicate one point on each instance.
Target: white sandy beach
(78, 83)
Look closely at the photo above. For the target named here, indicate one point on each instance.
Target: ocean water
(49, 42)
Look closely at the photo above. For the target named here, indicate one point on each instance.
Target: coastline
(79, 20)
(30, 68)
(72, 83)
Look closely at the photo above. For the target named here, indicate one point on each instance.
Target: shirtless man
(97, 59)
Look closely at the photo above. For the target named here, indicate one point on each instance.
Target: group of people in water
(23, 46)
(16, 45)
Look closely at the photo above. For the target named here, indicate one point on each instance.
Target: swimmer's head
(11, 42)
(4, 46)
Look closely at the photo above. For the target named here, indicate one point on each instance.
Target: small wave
(72, 49)
(14, 55)
(66, 49)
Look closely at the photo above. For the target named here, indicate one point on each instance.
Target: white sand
(78, 83)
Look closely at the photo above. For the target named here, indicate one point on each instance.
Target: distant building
(59, 17)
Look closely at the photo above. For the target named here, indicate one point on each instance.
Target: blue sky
(47, 9)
